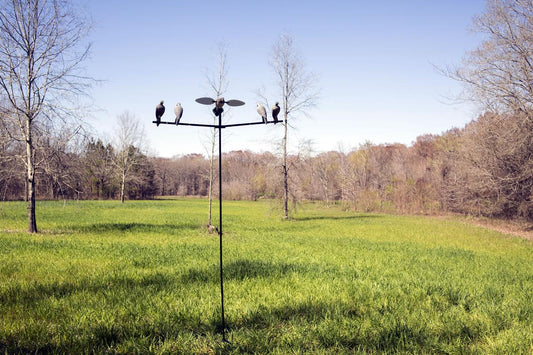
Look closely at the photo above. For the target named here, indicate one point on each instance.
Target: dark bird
(178, 110)
(275, 112)
(219, 103)
(262, 112)
(159, 111)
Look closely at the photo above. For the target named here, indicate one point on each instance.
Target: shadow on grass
(118, 293)
(277, 323)
(238, 270)
(156, 281)
(241, 270)
(335, 218)
(304, 312)
(29, 294)
(329, 325)
(324, 324)
(133, 227)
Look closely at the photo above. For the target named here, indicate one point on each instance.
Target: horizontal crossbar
(215, 125)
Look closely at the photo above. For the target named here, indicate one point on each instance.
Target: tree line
(484, 168)
(93, 172)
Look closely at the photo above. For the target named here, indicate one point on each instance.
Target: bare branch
(41, 51)
(499, 73)
(298, 93)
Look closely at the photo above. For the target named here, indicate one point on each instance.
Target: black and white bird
(262, 112)
(159, 111)
(178, 110)
(275, 112)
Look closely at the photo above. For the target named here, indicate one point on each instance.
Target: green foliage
(142, 277)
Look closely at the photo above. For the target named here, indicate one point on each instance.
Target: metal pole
(218, 112)
(220, 222)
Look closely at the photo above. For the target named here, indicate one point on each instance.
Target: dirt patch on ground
(516, 228)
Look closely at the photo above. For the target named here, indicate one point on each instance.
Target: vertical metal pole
(220, 222)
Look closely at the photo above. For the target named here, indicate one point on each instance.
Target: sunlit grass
(142, 277)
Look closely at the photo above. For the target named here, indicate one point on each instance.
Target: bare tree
(298, 94)
(58, 157)
(98, 164)
(327, 173)
(163, 170)
(218, 83)
(128, 143)
(40, 55)
(499, 73)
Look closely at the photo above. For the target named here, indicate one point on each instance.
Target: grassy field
(143, 278)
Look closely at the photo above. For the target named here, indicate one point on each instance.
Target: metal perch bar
(215, 125)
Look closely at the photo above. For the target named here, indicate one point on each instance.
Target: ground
(517, 228)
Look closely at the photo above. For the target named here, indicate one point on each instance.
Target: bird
(262, 112)
(159, 111)
(219, 103)
(178, 110)
(275, 112)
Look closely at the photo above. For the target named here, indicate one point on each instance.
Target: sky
(375, 64)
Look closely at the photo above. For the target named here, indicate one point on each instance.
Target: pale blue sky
(374, 61)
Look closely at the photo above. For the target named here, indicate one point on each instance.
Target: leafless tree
(58, 162)
(98, 165)
(41, 51)
(218, 84)
(499, 73)
(298, 93)
(327, 173)
(128, 143)
(163, 170)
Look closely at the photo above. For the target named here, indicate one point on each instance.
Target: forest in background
(483, 169)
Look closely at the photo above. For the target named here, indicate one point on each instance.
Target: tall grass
(142, 277)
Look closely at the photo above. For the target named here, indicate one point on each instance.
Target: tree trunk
(123, 186)
(32, 221)
(284, 167)
(26, 186)
(164, 180)
(101, 188)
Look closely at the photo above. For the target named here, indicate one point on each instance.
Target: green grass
(142, 277)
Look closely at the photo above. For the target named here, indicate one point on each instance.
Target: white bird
(275, 112)
(262, 112)
(178, 110)
(159, 111)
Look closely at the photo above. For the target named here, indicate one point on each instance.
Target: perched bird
(219, 103)
(275, 112)
(178, 110)
(159, 111)
(262, 112)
